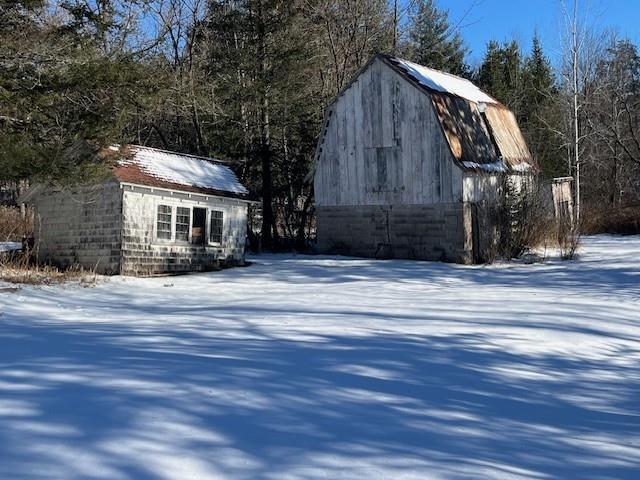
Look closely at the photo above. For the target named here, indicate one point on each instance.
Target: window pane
(217, 220)
(163, 229)
(183, 217)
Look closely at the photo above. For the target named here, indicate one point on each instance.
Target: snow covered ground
(327, 367)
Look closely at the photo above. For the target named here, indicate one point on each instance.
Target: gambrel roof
(441, 81)
(175, 171)
(482, 133)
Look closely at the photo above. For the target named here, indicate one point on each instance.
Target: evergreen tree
(538, 77)
(490, 76)
(258, 54)
(61, 97)
(540, 114)
(433, 41)
(500, 73)
(527, 86)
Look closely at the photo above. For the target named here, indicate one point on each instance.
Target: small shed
(157, 212)
(406, 157)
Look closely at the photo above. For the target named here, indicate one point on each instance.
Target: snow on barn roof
(161, 168)
(444, 82)
(482, 133)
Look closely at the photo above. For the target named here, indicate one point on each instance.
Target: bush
(568, 239)
(522, 220)
(13, 227)
(622, 220)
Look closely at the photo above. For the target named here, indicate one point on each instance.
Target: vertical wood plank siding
(389, 178)
(384, 145)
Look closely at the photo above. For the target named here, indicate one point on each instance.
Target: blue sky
(506, 19)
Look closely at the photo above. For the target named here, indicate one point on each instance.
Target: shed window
(163, 229)
(183, 218)
(217, 220)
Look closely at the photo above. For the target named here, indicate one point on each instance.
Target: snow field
(303, 367)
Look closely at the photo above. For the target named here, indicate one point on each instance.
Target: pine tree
(538, 80)
(433, 41)
(490, 74)
(500, 73)
(61, 97)
(527, 86)
(539, 114)
(258, 54)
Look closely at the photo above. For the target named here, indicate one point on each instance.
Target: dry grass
(623, 220)
(20, 268)
(12, 226)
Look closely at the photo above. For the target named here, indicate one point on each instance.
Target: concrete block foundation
(440, 232)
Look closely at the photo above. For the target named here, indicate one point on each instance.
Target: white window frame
(209, 217)
(175, 225)
(172, 223)
(174, 213)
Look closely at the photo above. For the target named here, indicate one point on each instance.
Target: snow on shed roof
(443, 82)
(161, 168)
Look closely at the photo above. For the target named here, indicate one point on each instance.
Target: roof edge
(249, 198)
(173, 152)
(389, 60)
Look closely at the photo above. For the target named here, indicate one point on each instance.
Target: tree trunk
(576, 131)
(304, 215)
(268, 222)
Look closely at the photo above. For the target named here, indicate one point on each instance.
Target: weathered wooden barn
(406, 156)
(158, 212)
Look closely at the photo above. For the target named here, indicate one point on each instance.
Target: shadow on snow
(98, 400)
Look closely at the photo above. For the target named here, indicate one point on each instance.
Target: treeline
(248, 81)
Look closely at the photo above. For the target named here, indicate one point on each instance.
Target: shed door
(199, 226)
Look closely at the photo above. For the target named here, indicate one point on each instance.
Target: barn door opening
(199, 226)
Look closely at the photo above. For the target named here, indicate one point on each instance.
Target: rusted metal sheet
(464, 129)
(507, 136)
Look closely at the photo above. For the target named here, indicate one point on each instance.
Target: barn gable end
(406, 155)
(383, 145)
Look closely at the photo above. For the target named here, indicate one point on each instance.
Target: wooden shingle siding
(142, 254)
(80, 226)
(110, 228)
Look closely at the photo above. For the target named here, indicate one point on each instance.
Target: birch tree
(582, 46)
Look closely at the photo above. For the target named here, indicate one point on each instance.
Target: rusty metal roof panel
(465, 130)
(508, 138)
